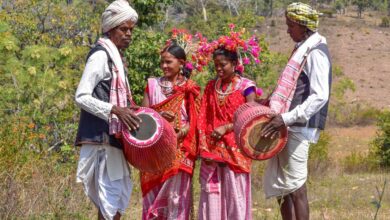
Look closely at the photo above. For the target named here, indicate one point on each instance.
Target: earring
(181, 69)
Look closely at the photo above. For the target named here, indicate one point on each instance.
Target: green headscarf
(303, 14)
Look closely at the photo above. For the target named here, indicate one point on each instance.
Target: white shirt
(96, 70)
(317, 70)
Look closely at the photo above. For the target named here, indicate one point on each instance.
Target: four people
(104, 97)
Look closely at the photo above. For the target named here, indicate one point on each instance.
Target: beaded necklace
(167, 87)
(232, 87)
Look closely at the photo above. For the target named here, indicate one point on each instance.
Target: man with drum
(301, 102)
(104, 96)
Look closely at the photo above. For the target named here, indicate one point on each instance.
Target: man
(301, 101)
(104, 96)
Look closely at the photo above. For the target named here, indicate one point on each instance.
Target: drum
(249, 120)
(152, 147)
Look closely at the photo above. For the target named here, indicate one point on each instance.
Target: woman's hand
(182, 133)
(263, 101)
(221, 131)
(127, 116)
(168, 115)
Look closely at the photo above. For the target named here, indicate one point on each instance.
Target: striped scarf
(120, 89)
(283, 94)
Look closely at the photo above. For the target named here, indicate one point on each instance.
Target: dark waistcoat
(92, 129)
(302, 91)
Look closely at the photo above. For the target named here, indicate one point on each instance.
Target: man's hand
(169, 116)
(127, 116)
(272, 128)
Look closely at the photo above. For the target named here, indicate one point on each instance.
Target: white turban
(116, 13)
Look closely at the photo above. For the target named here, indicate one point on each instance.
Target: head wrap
(303, 14)
(116, 13)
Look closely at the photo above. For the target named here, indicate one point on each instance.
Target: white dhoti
(287, 171)
(105, 174)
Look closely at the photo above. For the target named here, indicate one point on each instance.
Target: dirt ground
(359, 46)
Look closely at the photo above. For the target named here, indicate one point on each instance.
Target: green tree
(361, 5)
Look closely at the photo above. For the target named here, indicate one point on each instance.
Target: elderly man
(104, 98)
(301, 99)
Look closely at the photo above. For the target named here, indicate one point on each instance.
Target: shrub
(385, 22)
(328, 12)
(359, 162)
(381, 143)
(318, 155)
(343, 113)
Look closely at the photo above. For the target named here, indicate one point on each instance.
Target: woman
(224, 172)
(167, 195)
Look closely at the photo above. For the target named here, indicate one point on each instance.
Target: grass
(346, 196)
(50, 192)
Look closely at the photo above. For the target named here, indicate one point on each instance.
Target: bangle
(229, 127)
(183, 131)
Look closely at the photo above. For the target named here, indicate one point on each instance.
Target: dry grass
(46, 189)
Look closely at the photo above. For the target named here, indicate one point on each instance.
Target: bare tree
(203, 4)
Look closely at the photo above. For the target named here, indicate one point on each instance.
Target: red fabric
(185, 157)
(147, 89)
(213, 114)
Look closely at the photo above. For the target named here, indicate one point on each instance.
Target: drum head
(260, 148)
(260, 145)
(149, 131)
(146, 129)
(152, 147)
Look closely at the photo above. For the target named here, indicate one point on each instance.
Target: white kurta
(287, 171)
(102, 169)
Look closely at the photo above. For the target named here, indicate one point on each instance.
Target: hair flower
(247, 49)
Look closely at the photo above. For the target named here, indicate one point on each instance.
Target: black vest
(92, 129)
(302, 91)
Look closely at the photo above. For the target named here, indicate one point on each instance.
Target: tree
(388, 8)
(150, 12)
(361, 5)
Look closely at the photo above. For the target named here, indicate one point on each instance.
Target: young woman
(167, 195)
(224, 173)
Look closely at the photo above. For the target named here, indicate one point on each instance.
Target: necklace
(232, 87)
(167, 86)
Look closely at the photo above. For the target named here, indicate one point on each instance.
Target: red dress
(214, 113)
(187, 149)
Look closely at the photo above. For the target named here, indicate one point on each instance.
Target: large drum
(249, 120)
(152, 147)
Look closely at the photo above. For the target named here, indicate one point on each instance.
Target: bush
(318, 155)
(358, 162)
(328, 12)
(343, 113)
(381, 144)
(385, 22)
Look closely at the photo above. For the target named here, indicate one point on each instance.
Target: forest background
(43, 46)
